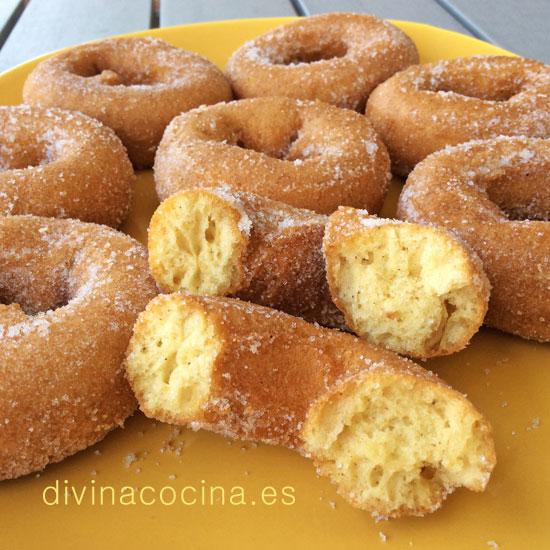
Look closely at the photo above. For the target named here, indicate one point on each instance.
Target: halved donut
(495, 195)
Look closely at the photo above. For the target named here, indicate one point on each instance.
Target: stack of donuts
(288, 311)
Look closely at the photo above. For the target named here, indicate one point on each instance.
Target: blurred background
(29, 28)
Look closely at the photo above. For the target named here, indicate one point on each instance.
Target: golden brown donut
(62, 164)
(426, 107)
(338, 58)
(220, 242)
(392, 437)
(308, 154)
(136, 86)
(414, 289)
(69, 295)
(495, 195)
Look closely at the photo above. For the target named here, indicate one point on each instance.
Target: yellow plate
(506, 377)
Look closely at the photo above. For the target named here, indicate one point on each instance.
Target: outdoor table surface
(29, 28)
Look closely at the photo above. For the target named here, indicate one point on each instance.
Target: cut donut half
(411, 288)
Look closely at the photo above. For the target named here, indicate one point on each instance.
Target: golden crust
(133, 85)
(62, 164)
(74, 291)
(466, 290)
(338, 58)
(273, 374)
(278, 258)
(426, 107)
(307, 154)
(494, 195)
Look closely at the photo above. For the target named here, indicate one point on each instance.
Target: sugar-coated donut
(392, 437)
(220, 242)
(338, 58)
(426, 107)
(308, 154)
(62, 164)
(495, 195)
(133, 85)
(69, 295)
(414, 289)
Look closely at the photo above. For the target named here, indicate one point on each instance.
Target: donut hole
(393, 441)
(516, 191)
(113, 72)
(478, 83)
(21, 289)
(274, 136)
(503, 94)
(24, 152)
(313, 53)
(407, 288)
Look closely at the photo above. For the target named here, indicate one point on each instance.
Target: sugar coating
(73, 291)
(336, 58)
(133, 85)
(454, 101)
(494, 195)
(303, 153)
(62, 164)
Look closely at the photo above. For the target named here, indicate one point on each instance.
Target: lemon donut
(495, 196)
(308, 154)
(426, 107)
(69, 295)
(133, 85)
(338, 58)
(62, 164)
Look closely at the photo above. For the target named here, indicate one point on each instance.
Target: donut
(426, 107)
(494, 195)
(62, 164)
(411, 288)
(133, 85)
(393, 437)
(338, 58)
(69, 295)
(307, 154)
(219, 242)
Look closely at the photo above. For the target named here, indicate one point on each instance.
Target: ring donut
(308, 154)
(338, 58)
(62, 164)
(495, 195)
(69, 295)
(426, 107)
(133, 85)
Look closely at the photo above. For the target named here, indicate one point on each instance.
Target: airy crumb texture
(394, 438)
(397, 445)
(172, 358)
(196, 244)
(411, 288)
